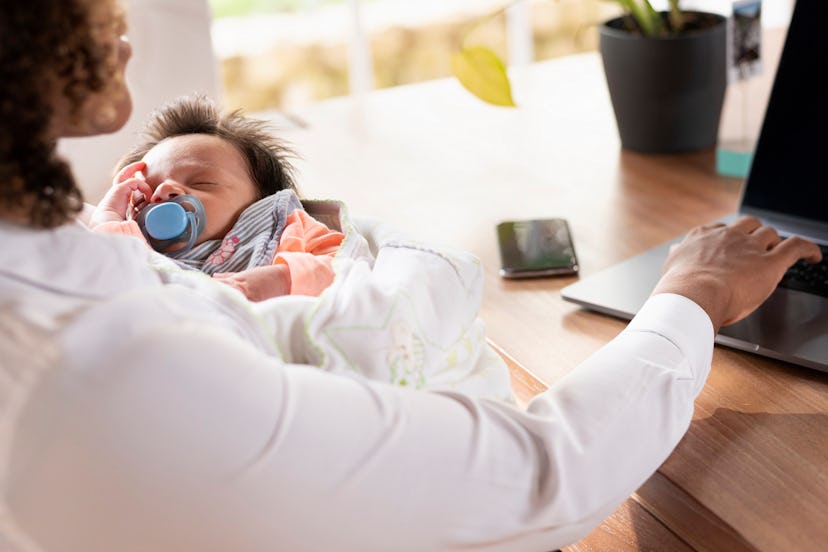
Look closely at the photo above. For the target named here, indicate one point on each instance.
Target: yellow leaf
(482, 73)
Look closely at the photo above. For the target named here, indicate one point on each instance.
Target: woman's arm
(186, 438)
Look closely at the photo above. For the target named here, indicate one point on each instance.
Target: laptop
(787, 188)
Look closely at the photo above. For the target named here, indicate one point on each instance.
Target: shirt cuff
(682, 322)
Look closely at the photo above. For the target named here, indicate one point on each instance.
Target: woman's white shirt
(142, 416)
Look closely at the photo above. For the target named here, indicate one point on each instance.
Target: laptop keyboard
(812, 278)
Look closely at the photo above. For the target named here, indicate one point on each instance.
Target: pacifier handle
(193, 230)
(167, 223)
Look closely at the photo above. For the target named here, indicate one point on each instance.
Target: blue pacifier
(178, 220)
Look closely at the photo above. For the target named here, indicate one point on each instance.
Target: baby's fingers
(130, 171)
(231, 282)
(141, 190)
(130, 191)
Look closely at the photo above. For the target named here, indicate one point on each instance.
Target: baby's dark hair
(267, 157)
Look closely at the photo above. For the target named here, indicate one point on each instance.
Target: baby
(416, 304)
(257, 237)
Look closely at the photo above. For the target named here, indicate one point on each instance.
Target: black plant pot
(667, 93)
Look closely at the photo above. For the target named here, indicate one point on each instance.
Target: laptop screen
(788, 174)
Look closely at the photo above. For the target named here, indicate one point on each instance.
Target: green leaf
(482, 73)
(676, 16)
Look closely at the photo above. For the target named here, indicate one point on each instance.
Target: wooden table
(752, 471)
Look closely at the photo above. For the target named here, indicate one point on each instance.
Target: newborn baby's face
(208, 167)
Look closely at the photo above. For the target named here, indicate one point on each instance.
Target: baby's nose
(166, 191)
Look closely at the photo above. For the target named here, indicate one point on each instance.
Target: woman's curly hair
(47, 48)
(268, 158)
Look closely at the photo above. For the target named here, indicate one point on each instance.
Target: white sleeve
(214, 446)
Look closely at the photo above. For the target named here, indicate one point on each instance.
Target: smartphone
(535, 248)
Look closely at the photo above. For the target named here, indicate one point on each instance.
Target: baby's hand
(260, 283)
(128, 189)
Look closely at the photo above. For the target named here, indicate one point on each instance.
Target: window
(281, 54)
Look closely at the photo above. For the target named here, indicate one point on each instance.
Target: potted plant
(666, 75)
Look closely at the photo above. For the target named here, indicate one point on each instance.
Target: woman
(142, 412)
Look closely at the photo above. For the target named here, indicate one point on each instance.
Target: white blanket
(397, 311)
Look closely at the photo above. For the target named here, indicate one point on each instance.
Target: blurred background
(279, 56)
(283, 54)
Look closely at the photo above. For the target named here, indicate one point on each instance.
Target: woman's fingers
(747, 224)
(791, 249)
(768, 237)
(794, 248)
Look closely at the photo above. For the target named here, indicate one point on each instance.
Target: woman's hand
(121, 202)
(260, 283)
(730, 270)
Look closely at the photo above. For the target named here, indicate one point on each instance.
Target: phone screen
(539, 247)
